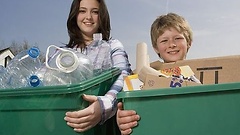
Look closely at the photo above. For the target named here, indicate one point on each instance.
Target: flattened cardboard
(213, 70)
(156, 82)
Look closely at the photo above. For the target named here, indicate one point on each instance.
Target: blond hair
(171, 20)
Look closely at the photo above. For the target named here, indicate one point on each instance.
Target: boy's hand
(126, 119)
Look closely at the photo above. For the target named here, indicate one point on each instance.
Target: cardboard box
(213, 70)
(171, 77)
(156, 82)
(180, 76)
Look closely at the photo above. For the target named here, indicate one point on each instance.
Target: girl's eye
(81, 11)
(95, 11)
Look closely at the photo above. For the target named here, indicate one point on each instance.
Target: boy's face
(172, 46)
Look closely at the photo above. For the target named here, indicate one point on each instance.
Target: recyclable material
(99, 52)
(65, 66)
(21, 68)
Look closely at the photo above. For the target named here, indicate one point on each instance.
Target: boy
(171, 38)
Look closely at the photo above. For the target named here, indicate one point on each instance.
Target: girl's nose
(88, 15)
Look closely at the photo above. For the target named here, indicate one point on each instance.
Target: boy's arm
(126, 119)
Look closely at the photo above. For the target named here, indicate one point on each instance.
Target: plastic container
(22, 67)
(2, 76)
(65, 66)
(41, 110)
(99, 51)
(195, 110)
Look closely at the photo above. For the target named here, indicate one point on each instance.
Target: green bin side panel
(199, 110)
(41, 110)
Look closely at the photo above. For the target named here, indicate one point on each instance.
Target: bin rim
(179, 91)
(62, 89)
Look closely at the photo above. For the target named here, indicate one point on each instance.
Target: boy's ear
(156, 50)
(189, 45)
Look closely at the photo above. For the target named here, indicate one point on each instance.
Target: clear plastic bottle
(100, 53)
(22, 67)
(65, 66)
(3, 73)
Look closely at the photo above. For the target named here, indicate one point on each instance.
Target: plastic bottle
(99, 52)
(65, 66)
(3, 72)
(22, 67)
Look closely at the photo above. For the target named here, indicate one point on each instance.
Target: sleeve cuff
(108, 107)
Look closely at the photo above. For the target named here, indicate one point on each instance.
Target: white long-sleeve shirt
(120, 60)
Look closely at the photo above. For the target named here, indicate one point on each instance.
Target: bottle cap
(34, 81)
(33, 52)
(97, 36)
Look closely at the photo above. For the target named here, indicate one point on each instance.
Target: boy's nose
(172, 45)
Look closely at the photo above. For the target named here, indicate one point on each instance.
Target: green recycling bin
(41, 110)
(194, 110)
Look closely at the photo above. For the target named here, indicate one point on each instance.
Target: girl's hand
(87, 118)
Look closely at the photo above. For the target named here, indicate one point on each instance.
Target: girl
(87, 17)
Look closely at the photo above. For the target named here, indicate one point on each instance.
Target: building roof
(5, 53)
(3, 50)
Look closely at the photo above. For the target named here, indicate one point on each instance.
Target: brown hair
(75, 34)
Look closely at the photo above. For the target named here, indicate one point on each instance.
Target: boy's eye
(178, 38)
(163, 41)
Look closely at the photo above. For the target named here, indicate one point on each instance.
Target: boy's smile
(172, 45)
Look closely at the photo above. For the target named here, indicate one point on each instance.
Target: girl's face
(172, 46)
(87, 19)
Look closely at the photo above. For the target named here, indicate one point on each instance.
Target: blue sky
(215, 24)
